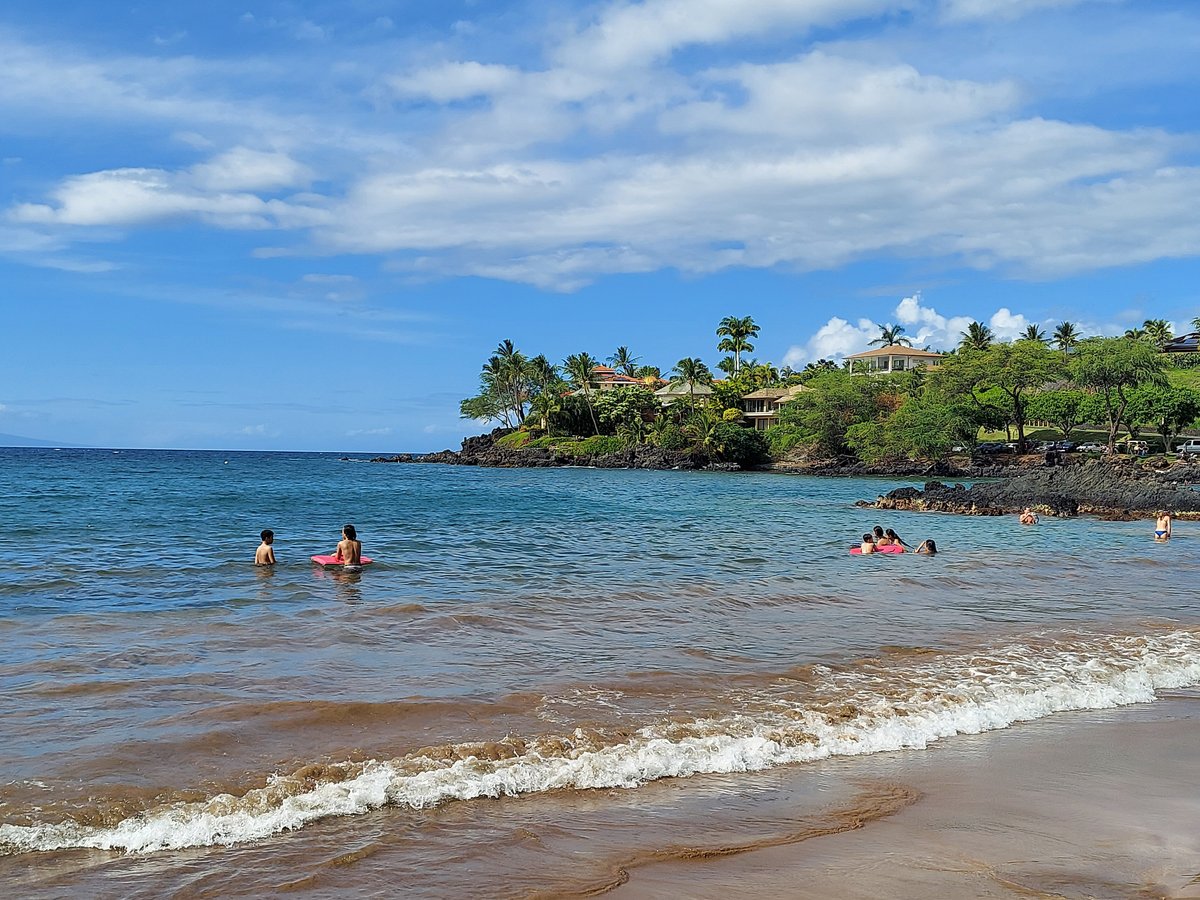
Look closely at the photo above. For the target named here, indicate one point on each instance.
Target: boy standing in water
(349, 550)
(265, 555)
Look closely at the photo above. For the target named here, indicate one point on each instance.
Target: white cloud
(923, 325)
(217, 192)
(243, 169)
(456, 81)
(966, 10)
(368, 432)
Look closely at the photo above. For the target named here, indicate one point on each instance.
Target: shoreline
(1087, 804)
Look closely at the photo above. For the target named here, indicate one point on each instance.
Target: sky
(306, 224)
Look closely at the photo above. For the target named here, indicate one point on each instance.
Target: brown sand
(1099, 804)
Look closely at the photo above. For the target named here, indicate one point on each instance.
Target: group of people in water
(348, 551)
(880, 537)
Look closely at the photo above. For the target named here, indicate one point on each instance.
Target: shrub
(515, 440)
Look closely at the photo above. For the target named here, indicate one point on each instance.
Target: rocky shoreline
(1111, 491)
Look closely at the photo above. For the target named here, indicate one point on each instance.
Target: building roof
(896, 350)
(1185, 343)
(774, 393)
(681, 389)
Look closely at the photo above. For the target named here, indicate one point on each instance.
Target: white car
(1191, 445)
(1091, 447)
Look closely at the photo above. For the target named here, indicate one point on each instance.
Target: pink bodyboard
(857, 551)
(333, 562)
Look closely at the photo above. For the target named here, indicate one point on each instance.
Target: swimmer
(1162, 527)
(879, 537)
(895, 539)
(265, 554)
(1028, 517)
(927, 547)
(868, 544)
(349, 550)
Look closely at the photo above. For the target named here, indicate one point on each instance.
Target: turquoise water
(685, 622)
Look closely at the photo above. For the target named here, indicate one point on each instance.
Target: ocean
(550, 681)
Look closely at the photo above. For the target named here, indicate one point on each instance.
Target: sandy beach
(1087, 805)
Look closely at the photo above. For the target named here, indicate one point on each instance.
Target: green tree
(917, 431)
(1066, 337)
(692, 371)
(1159, 332)
(889, 336)
(736, 333)
(977, 337)
(626, 407)
(508, 382)
(1033, 333)
(836, 401)
(1168, 410)
(1113, 368)
(624, 362)
(580, 369)
(1013, 371)
(1066, 410)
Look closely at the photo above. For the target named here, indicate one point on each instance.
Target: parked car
(1065, 446)
(1191, 445)
(992, 447)
(1091, 447)
(1043, 446)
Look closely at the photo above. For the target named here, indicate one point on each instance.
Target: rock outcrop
(1099, 488)
(482, 451)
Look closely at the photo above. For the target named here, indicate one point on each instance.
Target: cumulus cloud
(219, 192)
(922, 324)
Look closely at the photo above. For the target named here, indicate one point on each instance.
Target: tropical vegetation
(1059, 384)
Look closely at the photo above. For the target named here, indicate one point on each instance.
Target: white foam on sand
(879, 708)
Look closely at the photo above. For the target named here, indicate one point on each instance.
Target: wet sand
(1091, 804)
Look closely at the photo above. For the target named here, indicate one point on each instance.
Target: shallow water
(550, 635)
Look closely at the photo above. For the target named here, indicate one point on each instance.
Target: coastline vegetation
(1061, 385)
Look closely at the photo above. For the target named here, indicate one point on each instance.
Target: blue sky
(305, 225)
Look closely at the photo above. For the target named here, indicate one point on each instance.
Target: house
(605, 378)
(761, 408)
(682, 390)
(885, 360)
(1185, 343)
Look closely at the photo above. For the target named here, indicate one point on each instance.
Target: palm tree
(736, 333)
(624, 362)
(1066, 338)
(889, 336)
(1136, 334)
(692, 370)
(1159, 332)
(1033, 333)
(1196, 323)
(579, 368)
(977, 337)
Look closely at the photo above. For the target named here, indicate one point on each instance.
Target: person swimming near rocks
(927, 547)
(1028, 517)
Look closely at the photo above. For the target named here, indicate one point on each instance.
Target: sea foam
(878, 706)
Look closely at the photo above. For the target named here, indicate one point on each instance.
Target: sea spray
(877, 706)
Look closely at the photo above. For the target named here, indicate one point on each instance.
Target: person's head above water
(868, 538)
(348, 531)
(267, 535)
(892, 534)
(878, 531)
(928, 546)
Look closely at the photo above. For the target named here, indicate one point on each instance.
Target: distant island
(16, 440)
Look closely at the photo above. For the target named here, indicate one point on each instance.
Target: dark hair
(267, 534)
(868, 538)
(348, 531)
(930, 546)
(878, 531)
(892, 534)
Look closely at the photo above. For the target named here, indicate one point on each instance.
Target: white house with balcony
(886, 360)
